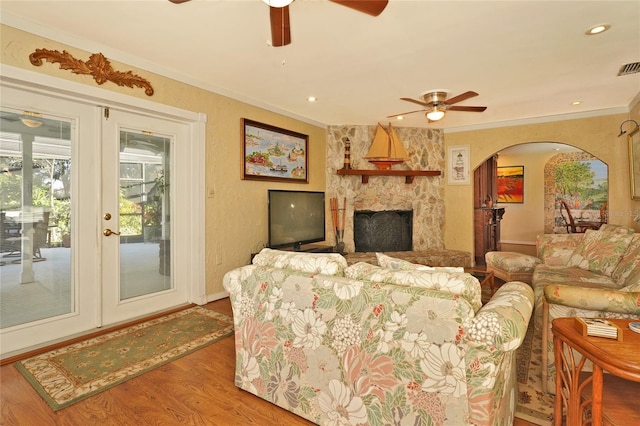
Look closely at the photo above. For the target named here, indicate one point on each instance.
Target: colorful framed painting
(273, 154)
(511, 184)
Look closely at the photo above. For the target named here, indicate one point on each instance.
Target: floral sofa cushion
(462, 284)
(319, 263)
(556, 249)
(512, 261)
(390, 262)
(600, 251)
(607, 227)
(628, 270)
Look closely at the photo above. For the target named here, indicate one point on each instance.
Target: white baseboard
(216, 296)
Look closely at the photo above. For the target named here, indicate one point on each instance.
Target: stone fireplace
(383, 231)
(424, 197)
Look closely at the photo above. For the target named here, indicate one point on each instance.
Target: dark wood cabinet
(487, 231)
(487, 216)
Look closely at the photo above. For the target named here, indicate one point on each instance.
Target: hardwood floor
(196, 389)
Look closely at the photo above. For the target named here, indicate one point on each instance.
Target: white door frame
(195, 243)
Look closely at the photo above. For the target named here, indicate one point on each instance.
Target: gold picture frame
(633, 139)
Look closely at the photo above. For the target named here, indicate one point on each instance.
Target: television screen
(295, 218)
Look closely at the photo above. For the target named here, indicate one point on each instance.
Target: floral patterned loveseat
(372, 345)
(595, 274)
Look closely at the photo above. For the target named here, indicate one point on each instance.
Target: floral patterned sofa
(398, 343)
(595, 274)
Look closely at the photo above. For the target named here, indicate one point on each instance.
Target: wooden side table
(485, 277)
(576, 390)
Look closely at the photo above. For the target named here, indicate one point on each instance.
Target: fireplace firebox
(379, 231)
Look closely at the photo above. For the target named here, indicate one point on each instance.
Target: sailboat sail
(396, 149)
(386, 145)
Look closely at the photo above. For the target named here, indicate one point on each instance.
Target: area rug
(533, 405)
(67, 375)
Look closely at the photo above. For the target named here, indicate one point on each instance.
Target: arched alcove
(551, 195)
(522, 222)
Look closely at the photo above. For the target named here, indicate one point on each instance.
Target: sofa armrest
(502, 323)
(593, 299)
(232, 280)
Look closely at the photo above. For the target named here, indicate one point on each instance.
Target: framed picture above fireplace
(274, 154)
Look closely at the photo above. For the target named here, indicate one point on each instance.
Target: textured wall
(425, 196)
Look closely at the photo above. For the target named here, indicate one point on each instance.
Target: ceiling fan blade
(460, 98)
(370, 7)
(280, 26)
(178, 1)
(404, 113)
(416, 102)
(467, 108)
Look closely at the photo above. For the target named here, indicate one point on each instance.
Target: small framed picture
(511, 184)
(273, 154)
(458, 165)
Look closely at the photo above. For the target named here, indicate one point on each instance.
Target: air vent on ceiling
(631, 68)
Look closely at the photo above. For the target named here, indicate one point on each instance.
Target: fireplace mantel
(408, 174)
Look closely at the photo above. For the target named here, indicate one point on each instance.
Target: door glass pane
(145, 239)
(35, 218)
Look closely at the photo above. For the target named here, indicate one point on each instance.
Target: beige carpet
(533, 405)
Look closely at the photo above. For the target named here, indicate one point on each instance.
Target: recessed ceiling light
(399, 117)
(312, 99)
(597, 29)
(576, 103)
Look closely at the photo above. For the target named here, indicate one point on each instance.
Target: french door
(90, 234)
(138, 221)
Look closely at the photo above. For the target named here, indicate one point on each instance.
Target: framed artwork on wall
(458, 165)
(273, 154)
(511, 184)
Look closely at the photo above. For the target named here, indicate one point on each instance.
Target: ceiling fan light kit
(435, 114)
(436, 104)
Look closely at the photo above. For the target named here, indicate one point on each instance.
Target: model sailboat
(386, 149)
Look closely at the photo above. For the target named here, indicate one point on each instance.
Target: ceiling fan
(436, 104)
(279, 14)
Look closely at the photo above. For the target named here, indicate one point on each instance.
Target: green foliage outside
(51, 190)
(130, 217)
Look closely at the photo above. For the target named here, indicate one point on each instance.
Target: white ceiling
(528, 60)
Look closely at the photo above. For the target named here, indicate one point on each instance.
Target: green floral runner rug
(533, 405)
(69, 374)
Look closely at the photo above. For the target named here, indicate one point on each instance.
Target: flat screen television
(295, 218)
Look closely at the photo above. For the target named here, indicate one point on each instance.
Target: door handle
(108, 232)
